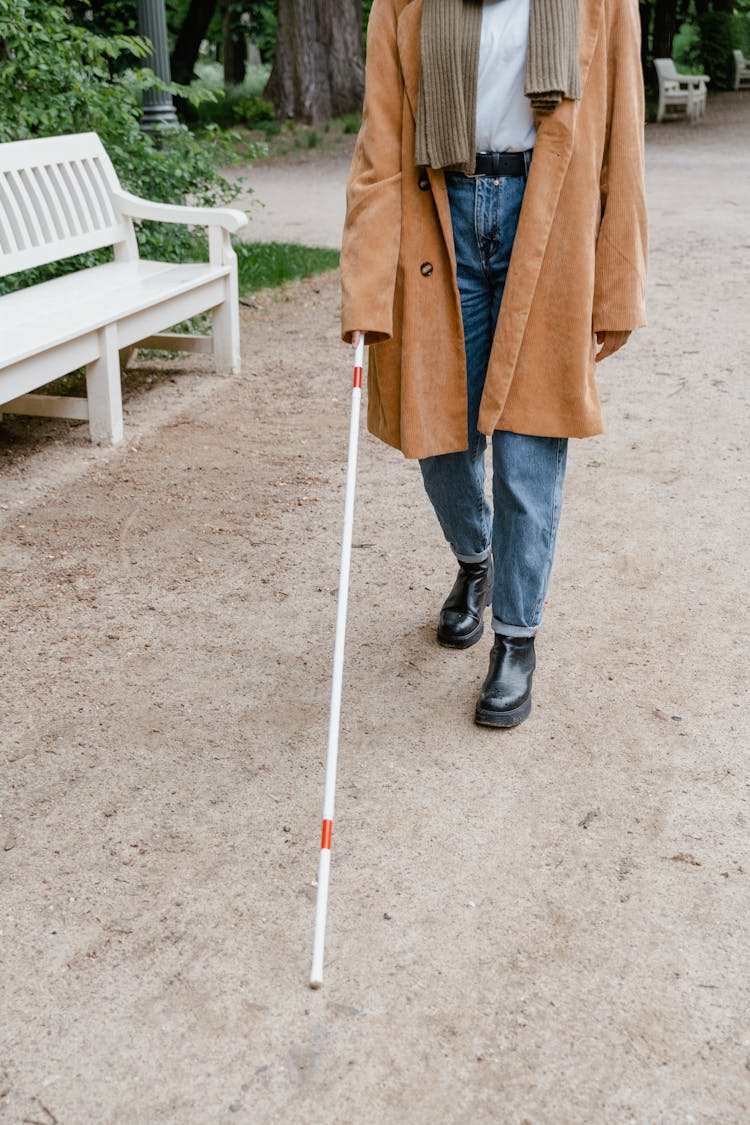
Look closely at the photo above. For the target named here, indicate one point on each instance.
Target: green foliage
(707, 32)
(105, 17)
(263, 27)
(686, 49)
(211, 77)
(54, 75)
(717, 34)
(741, 32)
(235, 105)
(262, 24)
(57, 78)
(350, 123)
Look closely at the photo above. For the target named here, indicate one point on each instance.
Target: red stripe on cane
(325, 840)
(358, 378)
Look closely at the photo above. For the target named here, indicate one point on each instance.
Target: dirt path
(547, 926)
(301, 201)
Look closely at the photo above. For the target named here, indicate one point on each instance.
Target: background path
(540, 926)
(300, 200)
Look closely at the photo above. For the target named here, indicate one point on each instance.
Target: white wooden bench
(741, 71)
(685, 93)
(60, 196)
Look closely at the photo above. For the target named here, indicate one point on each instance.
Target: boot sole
(487, 718)
(447, 641)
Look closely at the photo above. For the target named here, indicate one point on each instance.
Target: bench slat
(99, 184)
(72, 222)
(56, 201)
(9, 203)
(94, 213)
(7, 238)
(66, 173)
(57, 215)
(39, 204)
(49, 314)
(32, 226)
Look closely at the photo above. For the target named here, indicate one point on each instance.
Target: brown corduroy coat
(578, 263)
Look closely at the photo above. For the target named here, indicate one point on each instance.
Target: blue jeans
(528, 472)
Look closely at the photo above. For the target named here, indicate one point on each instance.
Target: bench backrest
(665, 68)
(55, 201)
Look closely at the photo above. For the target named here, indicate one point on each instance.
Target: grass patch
(350, 123)
(262, 265)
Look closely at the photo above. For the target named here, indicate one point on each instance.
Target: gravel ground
(537, 927)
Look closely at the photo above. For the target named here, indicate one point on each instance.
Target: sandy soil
(543, 926)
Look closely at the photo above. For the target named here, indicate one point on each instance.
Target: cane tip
(315, 984)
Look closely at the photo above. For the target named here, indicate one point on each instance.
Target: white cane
(329, 796)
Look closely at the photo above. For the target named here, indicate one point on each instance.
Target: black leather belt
(500, 164)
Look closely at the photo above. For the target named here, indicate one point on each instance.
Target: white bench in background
(741, 71)
(60, 196)
(685, 93)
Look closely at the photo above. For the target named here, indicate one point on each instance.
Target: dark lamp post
(158, 108)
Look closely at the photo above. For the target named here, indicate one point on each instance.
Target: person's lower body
(505, 550)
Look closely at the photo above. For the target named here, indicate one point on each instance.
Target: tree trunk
(665, 26)
(644, 11)
(192, 31)
(318, 70)
(234, 51)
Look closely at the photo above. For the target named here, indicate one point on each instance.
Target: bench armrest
(229, 220)
(693, 79)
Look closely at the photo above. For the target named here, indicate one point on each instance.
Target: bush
(741, 30)
(351, 122)
(210, 76)
(687, 48)
(237, 107)
(718, 40)
(57, 77)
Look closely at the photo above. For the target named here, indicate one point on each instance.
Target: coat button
(425, 269)
(424, 182)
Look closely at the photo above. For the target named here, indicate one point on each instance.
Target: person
(494, 250)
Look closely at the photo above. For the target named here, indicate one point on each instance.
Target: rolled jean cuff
(473, 558)
(499, 626)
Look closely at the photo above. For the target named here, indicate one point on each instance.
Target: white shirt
(505, 119)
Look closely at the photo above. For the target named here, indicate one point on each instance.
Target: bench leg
(226, 316)
(104, 391)
(126, 354)
(226, 326)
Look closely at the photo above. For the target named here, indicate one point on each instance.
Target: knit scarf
(450, 39)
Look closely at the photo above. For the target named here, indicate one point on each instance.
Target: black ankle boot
(461, 618)
(506, 693)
